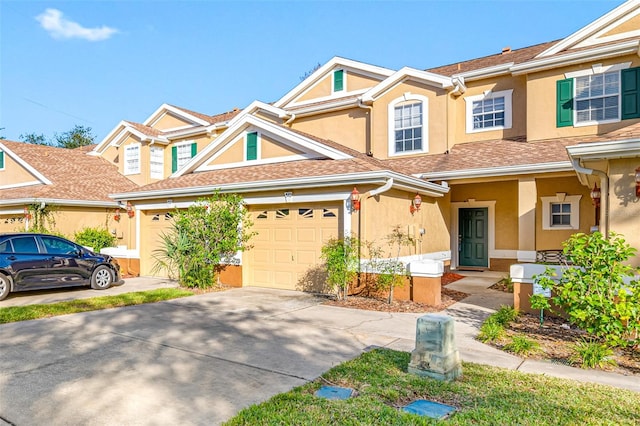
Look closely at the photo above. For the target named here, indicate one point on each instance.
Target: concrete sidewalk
(472, 311)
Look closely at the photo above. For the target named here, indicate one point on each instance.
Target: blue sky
(94, 63)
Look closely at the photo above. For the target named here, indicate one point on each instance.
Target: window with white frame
(489, 111)
(132, 159)
(561, 212)
(184, 153)
(408, 125)
(157, 162)
(599, 94)
(597, 97)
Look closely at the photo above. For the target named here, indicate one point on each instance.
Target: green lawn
(23, 313)
(484, 395)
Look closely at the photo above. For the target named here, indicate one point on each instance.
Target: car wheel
(102, 278)
(5, 287)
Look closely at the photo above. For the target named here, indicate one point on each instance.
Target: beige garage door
(153, 223)
(287, 248)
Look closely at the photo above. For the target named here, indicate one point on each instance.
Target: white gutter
(333, 106)
(382, 177)
(628, 148)
(560, 166)
(478, 74)
(576, 57)
(384, 188)
(58, 202)
(604, 193)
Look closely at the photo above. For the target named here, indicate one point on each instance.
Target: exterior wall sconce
(355, 199)
(415, 204)
(27, 215)
(130, 211)
(595, 195)
(637, 179)
(116, 215)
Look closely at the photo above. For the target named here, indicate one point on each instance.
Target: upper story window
(156, 162)
(181, 154)
(1, 160)
(338, 81)
(132, 159)
(408, 125)
(489, 111)
(598, 95)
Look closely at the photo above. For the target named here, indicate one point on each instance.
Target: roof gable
(291, 145)
(371, 72)
(17, 171)
(619, 24)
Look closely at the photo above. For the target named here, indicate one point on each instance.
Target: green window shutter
(174, 159)
(1, 159)
(194, 149)
(630, 93)
(564, 103)
(252, 146)
(338, 80)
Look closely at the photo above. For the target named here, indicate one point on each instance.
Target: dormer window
(338, 81)
(132, 159)
(408, 125)
(181, 154)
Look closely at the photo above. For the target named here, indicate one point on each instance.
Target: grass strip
(30, 312)
(483, 396)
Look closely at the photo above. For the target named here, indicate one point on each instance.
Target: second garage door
(287, 248)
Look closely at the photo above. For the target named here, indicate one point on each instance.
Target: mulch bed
(556, 339)
(449, 297)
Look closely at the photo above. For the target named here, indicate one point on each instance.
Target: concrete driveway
(196, 360)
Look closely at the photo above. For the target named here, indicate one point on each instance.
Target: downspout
(290, 120)
(369, 140)
(604, 193)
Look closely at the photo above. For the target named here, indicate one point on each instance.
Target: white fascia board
(605, 150)
(266, 127)
(15, 157)
(401, 75)
(378, 177)
(170, 108)
(560, 166)
(591, 29)
(488, 72)
(597, 53)
(251, 109)
(111, 136)
(58, 202)
(336, 61)
(187, 132)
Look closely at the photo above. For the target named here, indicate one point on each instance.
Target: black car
(40, 261)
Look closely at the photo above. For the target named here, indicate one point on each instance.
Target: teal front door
(473, 242)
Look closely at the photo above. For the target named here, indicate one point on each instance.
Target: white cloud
(54, 23)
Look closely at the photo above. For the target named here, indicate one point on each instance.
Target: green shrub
(341, 259)
(591, 354)
(490, 331)
(593, 294)
(505, 315)
(96, 238)
(522, 345)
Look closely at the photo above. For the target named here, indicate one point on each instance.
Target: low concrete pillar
(435, 355)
